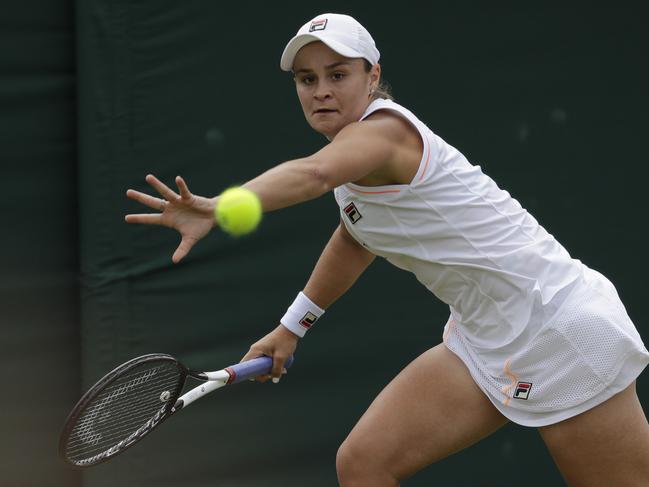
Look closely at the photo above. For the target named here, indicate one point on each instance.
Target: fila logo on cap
(308, 320)
(320, 24)
(522, 390)
(352, 213)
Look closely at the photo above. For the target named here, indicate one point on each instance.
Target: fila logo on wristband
(308, 320)
(301, 315)
(352, 213)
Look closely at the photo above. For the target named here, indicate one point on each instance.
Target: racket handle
(252, 368)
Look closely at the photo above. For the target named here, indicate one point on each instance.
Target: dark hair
(383, 90)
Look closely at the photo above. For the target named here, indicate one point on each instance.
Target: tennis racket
(129, 402)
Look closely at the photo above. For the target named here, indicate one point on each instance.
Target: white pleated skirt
(587, 353)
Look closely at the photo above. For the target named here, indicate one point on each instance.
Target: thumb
(183, 249)
(250, 355)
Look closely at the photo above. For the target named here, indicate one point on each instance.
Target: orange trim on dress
(376, 192)
(423, 173)
(449, 328)
(513, 377)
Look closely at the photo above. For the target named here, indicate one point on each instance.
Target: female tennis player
(534, 336)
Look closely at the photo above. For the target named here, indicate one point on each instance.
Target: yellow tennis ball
(238, 211)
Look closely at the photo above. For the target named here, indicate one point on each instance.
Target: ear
(375, 75)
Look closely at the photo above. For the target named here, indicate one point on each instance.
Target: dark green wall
(39, 323)
(549, 101)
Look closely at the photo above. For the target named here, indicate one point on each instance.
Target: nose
(322, 91)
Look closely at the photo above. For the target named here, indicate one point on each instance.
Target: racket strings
(123, 408)
(109, 421)
(106, 399)
(123, 396)
(88, 435)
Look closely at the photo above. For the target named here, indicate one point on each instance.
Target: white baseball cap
(341, 33)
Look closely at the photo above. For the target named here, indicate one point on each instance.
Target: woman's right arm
(358, 150)
(341, 263)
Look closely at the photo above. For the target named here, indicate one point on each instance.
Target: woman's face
(333, 90)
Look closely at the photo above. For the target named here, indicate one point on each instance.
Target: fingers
(267, 377)
(278, 367)
(182, 187)
(162, 188)
(145, 199)
(151, 201)
(146, 218)
(249, 356)
(276, 372)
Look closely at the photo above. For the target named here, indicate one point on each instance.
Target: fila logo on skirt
(522, 390)
(352, 213)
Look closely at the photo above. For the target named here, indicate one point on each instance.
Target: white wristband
(301, 315)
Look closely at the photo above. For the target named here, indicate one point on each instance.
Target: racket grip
(252, 368)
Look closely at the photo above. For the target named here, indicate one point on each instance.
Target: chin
(321, 128)
(327, 129)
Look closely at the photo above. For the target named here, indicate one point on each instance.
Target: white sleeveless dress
(544, 336)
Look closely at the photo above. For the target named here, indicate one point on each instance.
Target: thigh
(432, 409)
(607, 445)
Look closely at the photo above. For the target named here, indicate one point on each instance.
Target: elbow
(322, 181)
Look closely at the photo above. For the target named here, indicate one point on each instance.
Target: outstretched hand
(191, 215)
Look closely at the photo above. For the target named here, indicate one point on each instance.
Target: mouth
(324, 111)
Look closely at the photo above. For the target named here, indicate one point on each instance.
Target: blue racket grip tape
(252, 368)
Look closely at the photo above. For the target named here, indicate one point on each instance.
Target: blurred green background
(549, 99)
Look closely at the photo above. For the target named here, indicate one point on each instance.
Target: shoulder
(384, 124)
(391, 123)
(388, 138)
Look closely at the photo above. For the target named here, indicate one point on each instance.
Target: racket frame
(103, 383)
(211, 381)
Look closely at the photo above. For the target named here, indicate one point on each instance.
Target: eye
(306, 79)
(337, 76)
